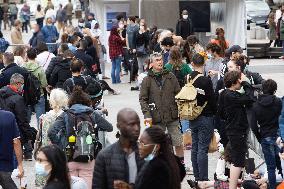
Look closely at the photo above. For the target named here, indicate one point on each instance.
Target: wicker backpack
(187, 102)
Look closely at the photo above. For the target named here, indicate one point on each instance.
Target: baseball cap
(234, 48)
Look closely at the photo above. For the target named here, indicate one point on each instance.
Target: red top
(115, 44)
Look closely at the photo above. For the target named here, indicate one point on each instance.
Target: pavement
(269, 68)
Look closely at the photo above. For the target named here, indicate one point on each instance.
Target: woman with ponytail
(161, 168)
(221, 41)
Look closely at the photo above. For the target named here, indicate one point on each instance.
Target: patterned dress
(46, 121)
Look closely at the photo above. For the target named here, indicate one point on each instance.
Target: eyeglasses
(139, 143)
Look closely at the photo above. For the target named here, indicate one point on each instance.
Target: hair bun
(204, 54)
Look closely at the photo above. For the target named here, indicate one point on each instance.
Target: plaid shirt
(115, 46)
(3, 45)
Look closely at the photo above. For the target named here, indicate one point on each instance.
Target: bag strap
(196, 77)
(46, 59)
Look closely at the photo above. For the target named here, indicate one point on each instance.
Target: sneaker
(105, 77)
(193, 184)
(281, 57)
(28, 157)
(134, 88)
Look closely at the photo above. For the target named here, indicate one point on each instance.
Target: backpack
(181, 79)
(82, 134)
(32, 89)
(187, 101)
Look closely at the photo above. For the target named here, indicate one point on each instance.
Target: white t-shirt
(44, 59)
(78, 183)
(132, 167)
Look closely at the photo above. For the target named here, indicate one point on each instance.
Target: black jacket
(111, 164)
(82, 81)
(60, 73)
(254, 77)
(88, 61)
(206, 85)
(232, 109)
(54, 61)
(15, 103)
(36, 39)
(92, 51)
(6, 74)
(267, 110)
(154, 174)
(184, 28)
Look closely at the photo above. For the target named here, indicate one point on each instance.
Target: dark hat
(94, 89)
(91, 14)
(167, 41)
(234, 48)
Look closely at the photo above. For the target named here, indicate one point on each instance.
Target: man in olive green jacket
(33, 67)
(157, 100)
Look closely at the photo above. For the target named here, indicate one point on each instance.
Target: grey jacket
(57, 132)
(111, 164)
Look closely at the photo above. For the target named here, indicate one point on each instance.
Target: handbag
(141, 50)
(213, 146)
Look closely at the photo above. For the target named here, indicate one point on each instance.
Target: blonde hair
(58, 99)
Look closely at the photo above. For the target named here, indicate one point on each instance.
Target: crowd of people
(186, 89)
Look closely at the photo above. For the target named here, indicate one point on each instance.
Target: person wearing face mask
(191, 47)
(81, 25)
(121, 160)
(213, 65)
(37, 36)
(51, 163)
(142, 45)
(184, 27)
(50, 34)
(161, 169)
(15, 103)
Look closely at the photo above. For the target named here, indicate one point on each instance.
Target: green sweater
(185, 69)
(37, 70)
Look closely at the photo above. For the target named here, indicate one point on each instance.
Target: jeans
(115, 70)
(6, 181)
(185, 125)
(39, 110)
(141, 62)
(270, 151)
(202, 130)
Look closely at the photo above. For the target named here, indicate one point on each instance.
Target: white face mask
(40, 170)
(81, 24)
(185, 16)
(121, 26)
(33, 31)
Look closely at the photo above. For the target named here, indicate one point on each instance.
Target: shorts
(238, 150)
(173, 129)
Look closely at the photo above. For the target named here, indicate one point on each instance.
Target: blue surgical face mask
(40, 170)
(152, 155)
(209, 56)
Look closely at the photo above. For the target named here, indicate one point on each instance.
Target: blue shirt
(3, 45)
(131, 31)
(8, 132)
